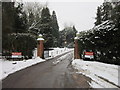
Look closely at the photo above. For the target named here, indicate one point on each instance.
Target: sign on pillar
(76, 49)
(40, 47)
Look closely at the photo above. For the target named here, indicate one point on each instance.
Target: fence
(47, 52)
(52, 52)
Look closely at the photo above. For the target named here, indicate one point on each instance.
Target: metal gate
(46, 53)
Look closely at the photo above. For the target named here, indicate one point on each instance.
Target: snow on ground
(9, 67)
(61, 58)
(102, 75)
(55, 52)
(58, 51)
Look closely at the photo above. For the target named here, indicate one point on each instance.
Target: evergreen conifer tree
(98, 18)
(55, 29)
(106, 14)
(46, 27)
(14, 29)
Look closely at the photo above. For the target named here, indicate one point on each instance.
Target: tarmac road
(54, 73)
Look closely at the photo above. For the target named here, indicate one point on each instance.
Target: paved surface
(49, 74)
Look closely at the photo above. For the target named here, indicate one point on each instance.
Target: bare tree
(33, 11)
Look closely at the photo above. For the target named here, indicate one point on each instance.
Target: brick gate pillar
(40, 46)
(76, 49)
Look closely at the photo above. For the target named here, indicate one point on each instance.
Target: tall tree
(106, 14)
(55, 29)
(67, 36)
(33, 11)
(15, 37)
(74, 30)
(20, 19)
(46, 27)
(8, 21)
(0, 28)
(104, 39)
(98, 17)
(8, 11)
(116, 31)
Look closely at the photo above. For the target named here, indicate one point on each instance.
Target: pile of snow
(102, 75)
(8, 67)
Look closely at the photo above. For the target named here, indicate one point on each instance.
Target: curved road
(54, 73)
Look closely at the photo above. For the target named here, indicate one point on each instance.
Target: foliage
(98, 18)
(21, 25)
(46, 27)
(33, 11)
(67, 36)
(49, 28)
(55, 30)
(23, 46)
(14, 21)
(104, 39)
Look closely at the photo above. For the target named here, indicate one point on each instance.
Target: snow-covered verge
(102, 75)
(9, 67)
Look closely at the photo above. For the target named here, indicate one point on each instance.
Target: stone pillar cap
(77, 32)
(40, 37)
(76, 38)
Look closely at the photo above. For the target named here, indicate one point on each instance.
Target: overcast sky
(80, 13)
